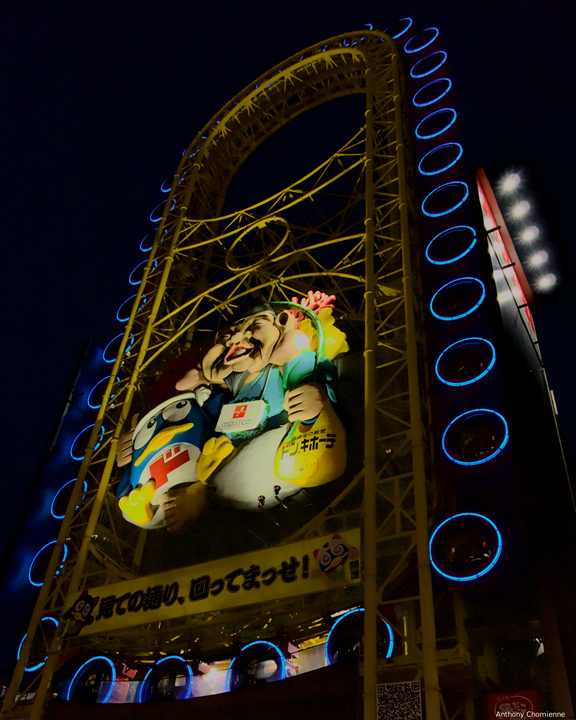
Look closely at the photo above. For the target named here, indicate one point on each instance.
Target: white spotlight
(510, 183)
(521, 209)
(538, 258)
(530, 234)
(547, 282)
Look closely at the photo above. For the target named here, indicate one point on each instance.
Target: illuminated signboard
(277, 573)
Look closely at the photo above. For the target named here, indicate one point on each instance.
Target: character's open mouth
(237, 352)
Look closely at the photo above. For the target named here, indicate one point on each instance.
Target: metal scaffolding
(345, 229)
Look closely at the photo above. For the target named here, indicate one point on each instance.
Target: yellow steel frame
(344, 228)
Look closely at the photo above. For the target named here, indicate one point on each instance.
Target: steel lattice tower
(347, 228)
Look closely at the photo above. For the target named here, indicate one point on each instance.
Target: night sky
(101, 98)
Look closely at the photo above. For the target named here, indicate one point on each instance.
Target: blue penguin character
(165, 446)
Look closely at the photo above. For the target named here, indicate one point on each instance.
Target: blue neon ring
(489, 457)
(40, 664)
(88, 662)
(482, 572)
(470, 310)
(64, 556)
(446, 167)
(95, 407)
(61, 517)
(130, 343)
(74, 457)
(157, 219)
(454, 207)
(168, 180)
(137, 282)
(147, 249)
(437, 32)
(124, 319)
(256, 642)
(428, 72)
(478, 377)
(390, 649)
(446, 232)
(402, 31)
(436, 112)
(439, 97)
(142, 688)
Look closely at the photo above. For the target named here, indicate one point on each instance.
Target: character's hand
(304, 402)
(124, 452)
(138, 504)
(214, 452)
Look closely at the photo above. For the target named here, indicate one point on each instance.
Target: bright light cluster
(524, 215)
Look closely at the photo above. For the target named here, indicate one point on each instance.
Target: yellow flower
(335, 343)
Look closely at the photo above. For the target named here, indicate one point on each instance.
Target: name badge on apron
(240, 416)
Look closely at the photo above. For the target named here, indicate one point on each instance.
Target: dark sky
(100, 99)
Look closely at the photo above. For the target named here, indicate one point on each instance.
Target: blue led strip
(438, 97)
(447, 232)
(128, 346)
(435, 32)
(456, 183)
(137, 282)
(124, 319)
(389, 650)
(78, 674)
(90, 405)
(143, 685)
(394, 37)
(455, 282)
(52, 511)
(474, 379)
(446, 167)
(88, 427)
(64, 556)
(486, 569)
(428, 72)
(469, 413)
(40, 664)
(252, 644)
(436, 112)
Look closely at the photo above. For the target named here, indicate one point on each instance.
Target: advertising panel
(273, 574)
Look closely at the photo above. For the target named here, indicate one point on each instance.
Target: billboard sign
(308, 566)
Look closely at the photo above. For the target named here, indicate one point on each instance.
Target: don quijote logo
(239, 411)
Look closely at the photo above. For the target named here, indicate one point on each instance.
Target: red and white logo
(239, 411)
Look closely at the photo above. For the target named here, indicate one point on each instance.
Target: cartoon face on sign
(80, 613)
(165, 447)
(268, 430)
(332, 559)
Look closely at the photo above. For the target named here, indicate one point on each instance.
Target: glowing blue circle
(486, 569)
(148, 246)
(477, 377)
(455, 282)
(156, 219)
(435, 31)
(252, 644)
(89, 403)
(128, 346)
(402, 31)
(168, 180)
(428, 72)
(64, 556)
(137, 282)
(92, 660)
(456, 183)
(436, 112)
(124, 319)
(55, 498)
(389, 650)
(143, 684)
(446, 167)
(438, 97)
(471, 413)
(40, 664)
(88, 427)
(443, 234)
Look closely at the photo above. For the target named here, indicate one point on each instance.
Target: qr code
(400, 701)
